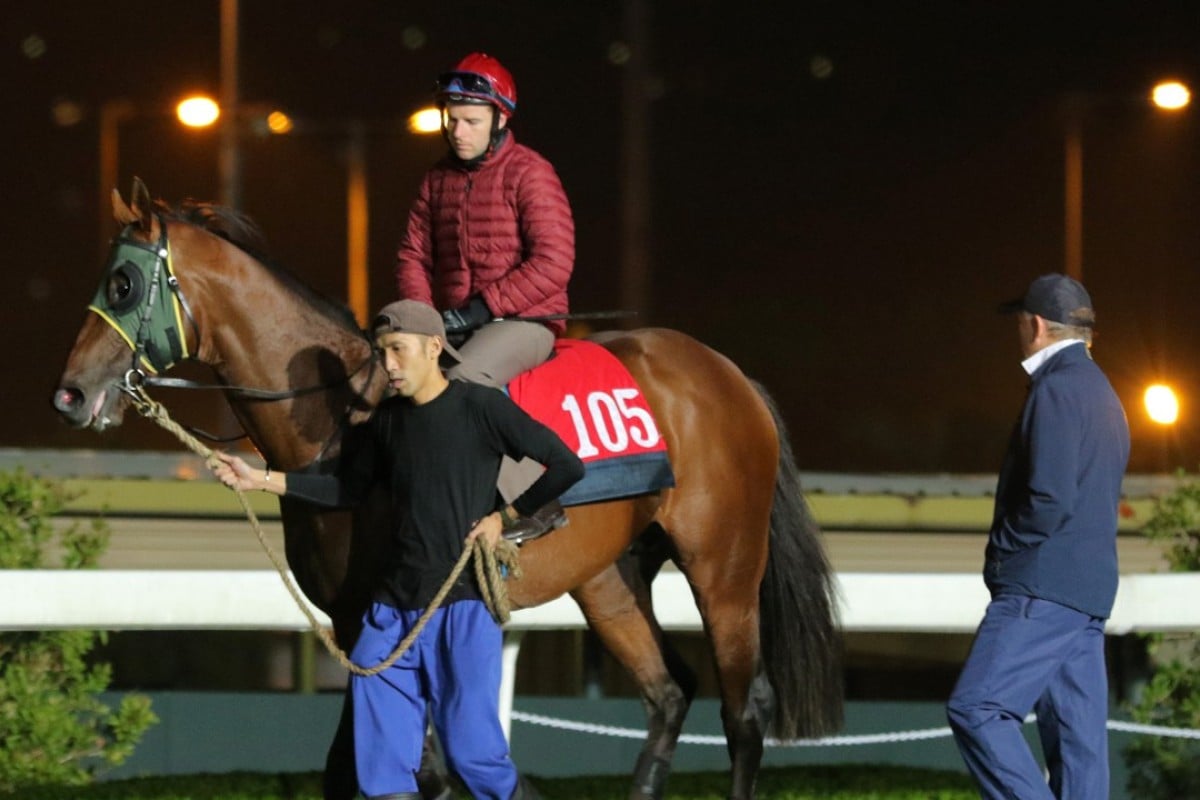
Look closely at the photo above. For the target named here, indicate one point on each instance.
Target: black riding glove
(473, 315)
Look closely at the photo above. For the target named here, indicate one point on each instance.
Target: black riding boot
(539, 523)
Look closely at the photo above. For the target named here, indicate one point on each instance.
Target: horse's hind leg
(747, 699)
(724, 561)
(727, 598)
(617, 606)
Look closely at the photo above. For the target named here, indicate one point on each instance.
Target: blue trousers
(453, 672)
(1032, 654)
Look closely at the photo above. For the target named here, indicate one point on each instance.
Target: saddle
(589, 398)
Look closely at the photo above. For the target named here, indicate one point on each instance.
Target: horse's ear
(139, 199)
(122, 213)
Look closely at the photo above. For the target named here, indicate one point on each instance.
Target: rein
(488, 561)
(135, 377)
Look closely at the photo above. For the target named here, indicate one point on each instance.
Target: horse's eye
(123, 288)
(118, 287)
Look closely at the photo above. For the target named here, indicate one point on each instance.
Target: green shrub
(53, 727)
(1168, 767)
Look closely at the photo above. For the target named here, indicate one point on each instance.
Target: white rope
(1153, 730)
(828, 741)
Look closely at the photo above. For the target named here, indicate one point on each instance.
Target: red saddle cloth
(587, 396)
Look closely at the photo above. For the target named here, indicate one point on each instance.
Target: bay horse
(735, 524)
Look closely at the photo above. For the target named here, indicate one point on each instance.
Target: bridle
(141, 299)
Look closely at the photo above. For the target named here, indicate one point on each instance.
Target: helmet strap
(498, 134)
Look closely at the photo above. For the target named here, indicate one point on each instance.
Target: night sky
(841, 192)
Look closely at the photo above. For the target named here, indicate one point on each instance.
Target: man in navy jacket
(1051, 567)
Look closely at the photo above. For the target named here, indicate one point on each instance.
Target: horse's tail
(801, 646)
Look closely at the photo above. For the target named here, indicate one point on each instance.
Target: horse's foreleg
(339, 781)
(617, 606)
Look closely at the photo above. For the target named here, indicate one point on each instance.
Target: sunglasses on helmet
(468, 83)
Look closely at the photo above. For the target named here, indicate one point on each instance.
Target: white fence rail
(256, 599)
(247, 600)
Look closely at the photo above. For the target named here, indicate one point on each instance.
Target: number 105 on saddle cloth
(586, 396)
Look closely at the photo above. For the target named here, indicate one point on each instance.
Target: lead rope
(489, 562)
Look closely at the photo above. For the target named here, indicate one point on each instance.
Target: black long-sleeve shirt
(440, 461)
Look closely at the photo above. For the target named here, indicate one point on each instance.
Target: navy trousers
(453, 671)
(1032, 654)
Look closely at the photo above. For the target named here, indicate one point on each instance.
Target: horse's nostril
(68, 399)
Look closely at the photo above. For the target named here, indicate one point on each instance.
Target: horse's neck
(287, 345)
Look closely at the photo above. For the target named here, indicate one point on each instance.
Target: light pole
(423, 122)
(357, 222)
(112, 114)
(635, 265)
(1166, 95)
(1073, 188)
(229, 157)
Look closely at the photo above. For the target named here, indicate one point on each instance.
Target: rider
(490, 240)
(490, 237)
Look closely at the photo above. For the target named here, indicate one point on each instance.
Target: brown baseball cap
(413, 316)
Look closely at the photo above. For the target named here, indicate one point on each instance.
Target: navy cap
(1057, 298)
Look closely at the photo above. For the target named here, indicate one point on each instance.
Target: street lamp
(1162, 408)
(202, 111)
(1170, 96)
(1162, 405)
(190, 111)
(193, 111)
(1166, 95)
(427, 120)
(198, 111)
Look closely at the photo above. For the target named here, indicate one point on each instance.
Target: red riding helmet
(478, 78)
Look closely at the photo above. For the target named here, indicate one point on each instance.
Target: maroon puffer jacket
(503, 231)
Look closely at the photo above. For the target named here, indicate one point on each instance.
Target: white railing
(256, 599)
(248, 600)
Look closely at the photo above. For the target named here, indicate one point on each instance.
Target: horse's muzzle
(71, 403)
(68, 401)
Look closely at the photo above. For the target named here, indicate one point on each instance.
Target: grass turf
(831, 782)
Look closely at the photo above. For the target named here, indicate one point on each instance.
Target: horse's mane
(244, 234)
(233, 226)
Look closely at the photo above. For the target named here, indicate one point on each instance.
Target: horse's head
(190, 282)
(136, 322)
